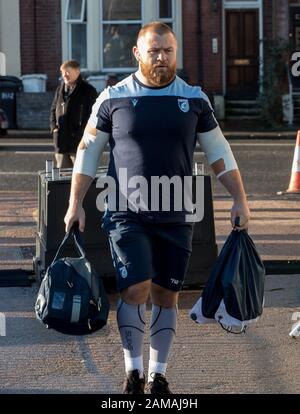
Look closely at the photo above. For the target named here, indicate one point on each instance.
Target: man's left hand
(240, 209)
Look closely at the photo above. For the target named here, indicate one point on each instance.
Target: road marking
(9, 147)
(259, 144)
(262, 144)
(25, 144)
(34, 152)
(17, 173)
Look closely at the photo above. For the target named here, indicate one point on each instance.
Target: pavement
(204, 359)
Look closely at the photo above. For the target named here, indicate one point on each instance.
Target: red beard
(158, 76)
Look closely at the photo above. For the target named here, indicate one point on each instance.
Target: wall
(10, 35)
(281, 19)
(276, 19)
(201, 21)
(211, 27)
(191, 40)
(40, 23)
(33, 110)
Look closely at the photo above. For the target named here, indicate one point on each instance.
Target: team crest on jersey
(183, 105)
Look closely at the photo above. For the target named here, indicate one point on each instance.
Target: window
(100, 34)
(166, 11)
(121, 22)
(75, 17)
(75, 11)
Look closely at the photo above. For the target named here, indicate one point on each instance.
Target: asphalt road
(204, 359)
(265, 165)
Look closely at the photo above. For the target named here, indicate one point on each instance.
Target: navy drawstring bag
(234, 293)
(72, 298)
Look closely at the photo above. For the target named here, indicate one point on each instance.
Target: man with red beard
(151, 120)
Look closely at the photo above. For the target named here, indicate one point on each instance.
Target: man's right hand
(73, 215)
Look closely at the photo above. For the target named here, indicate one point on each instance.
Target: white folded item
(228, 322)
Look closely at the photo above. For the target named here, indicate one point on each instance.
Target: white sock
(156, 368)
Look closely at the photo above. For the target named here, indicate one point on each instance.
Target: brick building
(220, 41)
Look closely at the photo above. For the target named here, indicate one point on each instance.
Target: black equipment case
(53, 199)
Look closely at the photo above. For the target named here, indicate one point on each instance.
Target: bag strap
(73, 232)
(237, 221)
(229, 329)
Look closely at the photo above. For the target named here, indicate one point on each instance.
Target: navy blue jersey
(153, 129)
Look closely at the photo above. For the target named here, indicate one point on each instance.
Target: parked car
(3, 123)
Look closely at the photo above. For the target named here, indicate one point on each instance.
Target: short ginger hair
(158, 27)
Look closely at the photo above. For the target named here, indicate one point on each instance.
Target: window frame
(83, 8)
(67, 30)
(244, 4)
(150, 12)
(70, 43)
(101, 31)
(166, 19)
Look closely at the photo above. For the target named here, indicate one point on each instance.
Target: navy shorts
(142, 249)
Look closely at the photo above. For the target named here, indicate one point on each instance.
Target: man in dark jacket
(70, 111)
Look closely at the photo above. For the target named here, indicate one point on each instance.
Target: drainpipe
(200, 47)
(273, 20)
(35, 34)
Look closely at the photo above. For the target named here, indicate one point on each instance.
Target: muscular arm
(221, 159)
(232, 181)
(87, 159)
(79, 187)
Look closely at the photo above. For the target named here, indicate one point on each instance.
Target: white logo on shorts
(124, 272)
(175, 281)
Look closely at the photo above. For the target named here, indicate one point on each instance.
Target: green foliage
(274, 82)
